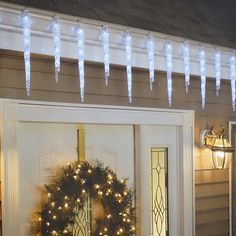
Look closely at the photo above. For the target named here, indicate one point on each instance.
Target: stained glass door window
(82, 224)
(159, 184)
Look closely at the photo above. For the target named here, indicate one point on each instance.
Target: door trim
(15, 111)
(231, 124)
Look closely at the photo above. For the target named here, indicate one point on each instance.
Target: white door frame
(15, 111)
(231, 124)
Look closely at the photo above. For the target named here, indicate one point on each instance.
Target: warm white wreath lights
(127, 41)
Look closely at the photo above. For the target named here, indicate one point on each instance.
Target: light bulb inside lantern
(219, 155)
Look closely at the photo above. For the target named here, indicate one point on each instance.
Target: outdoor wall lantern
(221, 149)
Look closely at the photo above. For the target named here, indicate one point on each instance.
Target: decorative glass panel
(159, 179)
(82, 225)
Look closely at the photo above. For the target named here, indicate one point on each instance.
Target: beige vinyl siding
(212, 201)
(212, 188)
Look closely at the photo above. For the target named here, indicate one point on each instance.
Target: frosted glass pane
(159, 191)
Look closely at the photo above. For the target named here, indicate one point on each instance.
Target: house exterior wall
(212, 186)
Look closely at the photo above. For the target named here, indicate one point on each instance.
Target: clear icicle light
(56, 30)
(233, 78)
(105, 44)
(217, 59)
(150, 51)
(186, 57)
(25, 20)
(202, 58)
(80, 43)
(168, 50)
(128, 49)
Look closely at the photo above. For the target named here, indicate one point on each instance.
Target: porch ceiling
(207, 21)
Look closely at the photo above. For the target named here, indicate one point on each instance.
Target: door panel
(43, 147)
(113, 145)
(153, 137)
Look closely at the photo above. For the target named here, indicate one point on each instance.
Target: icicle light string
(202, 59)
(128, 48)
(25, 20)
(233, 78)
(168, 50)
(150, 51)
(105, 43)
(186, 57)
(217, 59)
(56, 30)
(80, 43)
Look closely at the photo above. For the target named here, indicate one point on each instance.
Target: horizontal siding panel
(47, 95)
(213, 229)
(203, 165)
(212, 216)
(59, 96)
(211, 203)
(211, 176)
(203, 161)
(116, 87)
(208, 190)
(224, 234)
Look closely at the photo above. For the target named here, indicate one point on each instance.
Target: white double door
(125, 148)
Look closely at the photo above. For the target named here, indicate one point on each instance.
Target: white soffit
(42, 42)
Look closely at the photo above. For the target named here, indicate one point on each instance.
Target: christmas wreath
(70, 191)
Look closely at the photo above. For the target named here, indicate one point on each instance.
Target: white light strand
(80, 43)
(217, 59)
(202, 58)
(25, 20)
(128, 48)
(56, 30)
(186, 57)
(233, 78)
(151, 53)
(105, 43)
(169, 64)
